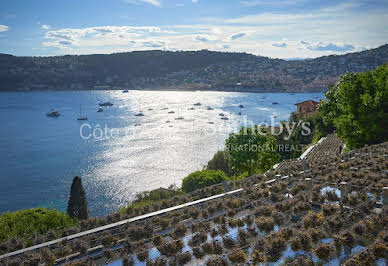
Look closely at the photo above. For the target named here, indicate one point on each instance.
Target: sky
(277, 29)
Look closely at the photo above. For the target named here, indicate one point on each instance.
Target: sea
(145, 140)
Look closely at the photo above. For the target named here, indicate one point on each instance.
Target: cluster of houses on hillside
(241, 73)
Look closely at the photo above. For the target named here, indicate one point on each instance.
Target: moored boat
(106, 104)
(81, 118)
(53, 113)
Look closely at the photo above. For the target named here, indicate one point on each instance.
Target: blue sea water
(118, 154)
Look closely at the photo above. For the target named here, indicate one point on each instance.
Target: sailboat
(81, 118)
(179, 117)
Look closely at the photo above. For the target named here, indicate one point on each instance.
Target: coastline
(245, 90)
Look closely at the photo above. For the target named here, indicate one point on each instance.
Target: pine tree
(77, 206)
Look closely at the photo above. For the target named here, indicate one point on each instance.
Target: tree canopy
(357, 105)
(200, 179)
(251, 151)
(77, 206)
(220, 161)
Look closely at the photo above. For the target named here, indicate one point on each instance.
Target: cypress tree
(77, 205)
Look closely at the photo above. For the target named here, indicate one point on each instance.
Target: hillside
(199, 70)
(330, 213)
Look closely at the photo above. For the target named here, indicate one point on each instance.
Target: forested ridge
(182, 70)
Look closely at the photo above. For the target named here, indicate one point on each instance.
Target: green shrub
(305, 241)
(216, 261)
(257, 256)
(228, 242)
(201, 179)
(208, 248)
(48, 257)
(157, 240)
(180, 230)
(27, 222)
(274, 248)
(299, 260)
(142, 254)
(323, 251)
(183, 258)
(265, 223)
(380, 249)
(237, 257)
(198, 252)
(220, 161)
(198, 238)
(295, 244)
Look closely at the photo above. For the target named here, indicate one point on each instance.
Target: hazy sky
(283, 29)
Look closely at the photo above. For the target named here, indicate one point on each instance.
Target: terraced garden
(329, 212)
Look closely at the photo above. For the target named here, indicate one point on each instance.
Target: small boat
(99, 110)
(171, 112)
(241, 106)
(179, 118)
(209, 108)
(125, 91)
(210, 122)
(106, 104)
(139, 114)
(197, 104)
(168, 121)
(53, 113)
(221, 114)
(165, 108)
(136, 125)
(192, 108)
(81, 118)
(150, 109)
(224, 118)
(275, 103)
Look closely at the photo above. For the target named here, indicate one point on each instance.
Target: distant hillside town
(182, 70)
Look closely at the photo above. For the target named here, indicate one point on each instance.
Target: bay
(39, 155)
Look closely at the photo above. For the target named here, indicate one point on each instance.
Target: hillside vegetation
(327, 214)
(25, 223)
(181, 70)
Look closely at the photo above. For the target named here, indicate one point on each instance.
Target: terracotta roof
(314, 102)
